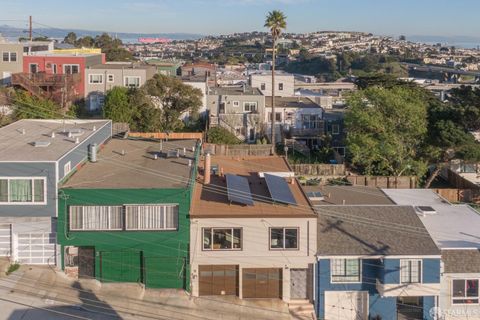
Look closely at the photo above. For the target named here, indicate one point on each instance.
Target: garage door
(165, 272)
(262, 283)
(5, 240)
(36, 248)
(346, 305)
(218, 280)
(121, 266)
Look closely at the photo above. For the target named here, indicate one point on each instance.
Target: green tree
(276, 22)
(117, 106)
(221, 136)
(174, 98)
(27, 106)
(385, 130)
(85, 42)
(146, 117)
(71, 38)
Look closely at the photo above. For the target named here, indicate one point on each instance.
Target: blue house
(35, 156)
(375, 262)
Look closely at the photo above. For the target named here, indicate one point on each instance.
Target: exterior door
(298, 284)
(86, 263)
(218, 280)
(346, 305)
(262, 283)
(5, 240)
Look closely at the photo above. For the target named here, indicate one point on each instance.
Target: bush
(222, 136)
(13, 267)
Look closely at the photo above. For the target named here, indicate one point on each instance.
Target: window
(151, 217)
(67, 168)
(335, 129)
(71, 68)
(283, 238)
(262, 86)
(95, 78)
(110, 78)
(132, 82)
(54, 68)
(222, 239)
(96, 218)
(249, 106)
(22, 190)
(236, 103)
(345, 270)
(410, 271)
(465, 291)
(278, 117)
(280, 86)
(9, 56)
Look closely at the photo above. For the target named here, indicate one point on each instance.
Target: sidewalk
(44, 288)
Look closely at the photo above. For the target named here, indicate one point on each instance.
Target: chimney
(207, 169)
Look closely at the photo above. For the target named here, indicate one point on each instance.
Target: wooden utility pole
(30, 31)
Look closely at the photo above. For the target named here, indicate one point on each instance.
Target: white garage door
(346, 305)
(5, 240)
(36, 248)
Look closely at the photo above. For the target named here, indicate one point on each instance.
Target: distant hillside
(13, 32)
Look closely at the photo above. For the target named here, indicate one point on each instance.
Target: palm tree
(276, 22)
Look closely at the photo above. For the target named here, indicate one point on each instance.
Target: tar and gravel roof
(372, 231)
(349, 195)
(16, 139)
(453, 226)
(130, 164)
(211, 201)
(236, 91)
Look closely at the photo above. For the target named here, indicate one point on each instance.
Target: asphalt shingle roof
(461, 261)
(372, 230)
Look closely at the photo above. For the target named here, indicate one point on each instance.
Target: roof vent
(41, 144)
(425, 210)
(52, 135)
(75, 133)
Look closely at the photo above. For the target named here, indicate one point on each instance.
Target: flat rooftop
(17, 139)
(120, 66)
(236, 90)
(348, 195)
(452, 226)
(372, 231)
(130, 164)
(291, 102)
(211, 201)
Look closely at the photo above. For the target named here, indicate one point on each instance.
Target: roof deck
(211, 201)
(131, 164)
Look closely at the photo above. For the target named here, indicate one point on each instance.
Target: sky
(382, 17)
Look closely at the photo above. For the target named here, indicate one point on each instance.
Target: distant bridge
(449, 74)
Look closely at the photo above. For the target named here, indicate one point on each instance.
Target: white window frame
(70, 65)
(283, 248)
(407, 263)
(100, 229)
(344, 261)
(465, 298)
(9, 56)
(250, 103)
(236, 104)
(67, 168)
(112, 78)
(90, 76)
(130, 86)
(211, 238)
(32, 203)
(174, 205)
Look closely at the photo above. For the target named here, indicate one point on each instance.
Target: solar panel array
(279, 190)
(238, 190)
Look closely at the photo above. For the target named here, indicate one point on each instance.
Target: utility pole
(30, 31)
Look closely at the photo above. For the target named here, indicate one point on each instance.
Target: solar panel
(238, 190)
(279, 189)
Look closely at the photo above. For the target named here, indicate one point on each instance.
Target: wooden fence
(319, 169)
(169, 136)
(242, 150)
(460, 195)
(402, 182)
(460, 182)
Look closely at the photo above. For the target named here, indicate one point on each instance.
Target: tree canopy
(112, 47)
(386, 128)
